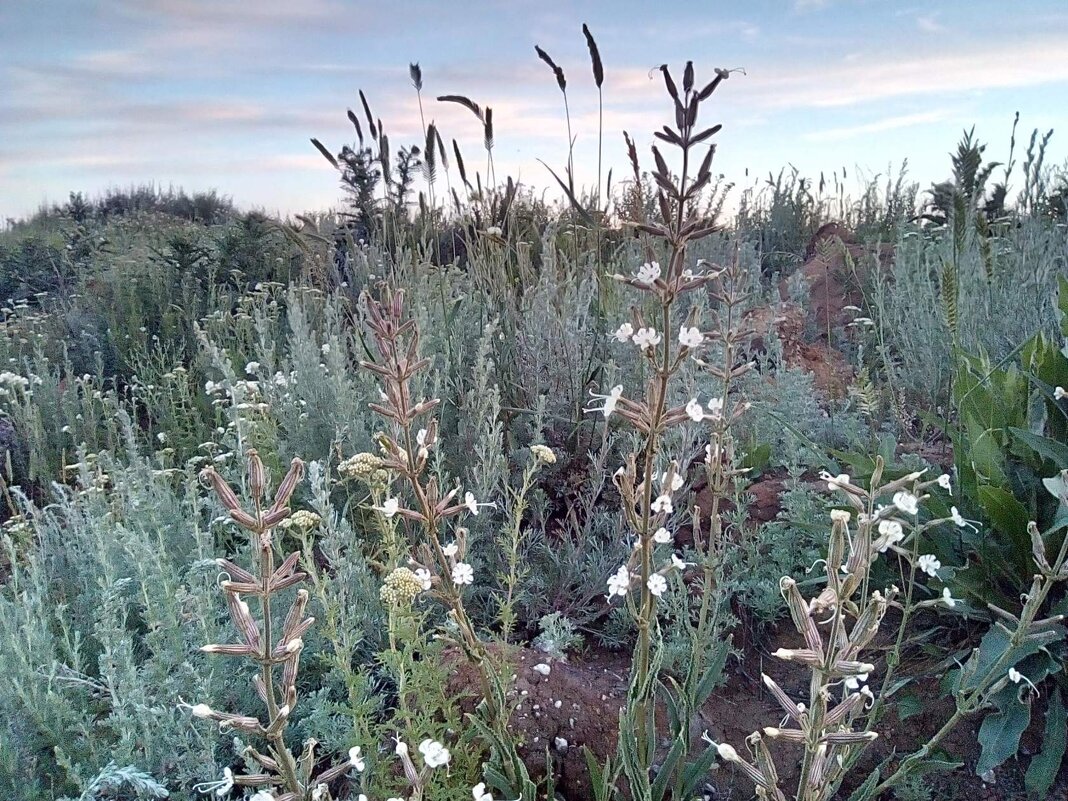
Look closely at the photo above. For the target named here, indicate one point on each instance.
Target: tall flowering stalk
(441, 565)
(835, 723)
(648, 491)
(276, 654)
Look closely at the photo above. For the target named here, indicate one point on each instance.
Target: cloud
(928, 23)
(885, 124)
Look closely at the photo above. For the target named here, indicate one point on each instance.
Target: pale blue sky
(225, 94)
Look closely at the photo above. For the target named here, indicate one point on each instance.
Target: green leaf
(1008, 516)
(1056, 452)
(908, 706)
(865, 791)
(1000, 733)
(1042, 771)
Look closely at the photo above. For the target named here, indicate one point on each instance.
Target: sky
(225, 95)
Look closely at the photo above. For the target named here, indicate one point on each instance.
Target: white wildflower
(610, 401)
(835, 482)
(662, 535)
(325, 348)
(890, 533)
(943, 482)
(422, 575)
(480, 793)
(662, 504)
(463, 573)
(389, 507)
(649, 272)
(948, 599)
(624, 332)
(221, 787)
(1015, 676)
(690, 337)
(906, 502)
(695, 411)
(657, 584)
(929, 564)
(1059, 393)
(646, 338)
(472, 505)
(434, 753)
(619, 583)
(252, 368)
(355, 759)
(450, 549)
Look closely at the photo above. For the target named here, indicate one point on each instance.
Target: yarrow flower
(610, 401)
(646, 338)
(649, 272)
(619, 583)
(402, 586)
(906, 502)
(656, 584)
(543, 454)
(624, 332)
(463, 573)
(929, 564)
(690, 337)
(662, 535)
(434, 753)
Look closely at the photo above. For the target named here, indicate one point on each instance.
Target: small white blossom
(610, 401)
(325, 348)
(1015, 676)
(472, 505)
(840, 516)
(662, 504)
(463, 573)
(890, 533)
(221, 787)
(727, 753)
(389, 507)
(948, 599)
(690, 337)
(649, 272)
(480, 793)
(1059, 393)
(835, 482)
(423, 576)
(262, 795)
(646, 338)
(619, 583)
(450, 549)
(678, 564)
(695, 411)
(624, 332)
(355, 759)
(434, 753)
(929, 564)
(906, 502)
(854, 682)
(676, 481)
(943, 482)
(252, 368)
(657, 584)
(662, 535)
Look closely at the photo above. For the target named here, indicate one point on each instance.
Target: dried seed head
(223, 490)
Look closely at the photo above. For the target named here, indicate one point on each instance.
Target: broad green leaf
(1042, 771)
(1056, 452)
(999, 735)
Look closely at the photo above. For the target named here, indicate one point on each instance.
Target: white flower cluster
(13, 383)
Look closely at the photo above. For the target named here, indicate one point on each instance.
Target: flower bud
(257, 474)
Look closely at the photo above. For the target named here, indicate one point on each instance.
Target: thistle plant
(284, 777)
(441, 567)
(648, 490)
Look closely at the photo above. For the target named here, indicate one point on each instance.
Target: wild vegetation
(459, 492)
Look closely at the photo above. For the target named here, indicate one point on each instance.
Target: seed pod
(222, 489)
(288, 485)
(257, 474)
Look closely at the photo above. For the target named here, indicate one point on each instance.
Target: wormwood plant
(647, 490)
(295, 778)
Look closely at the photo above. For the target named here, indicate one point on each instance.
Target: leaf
(1045, 447)
(1045, 765)
(1000, 733)
(908, 706)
